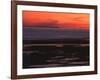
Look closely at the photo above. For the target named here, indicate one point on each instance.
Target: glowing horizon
(56, 20)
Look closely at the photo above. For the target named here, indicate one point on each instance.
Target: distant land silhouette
(30, 33)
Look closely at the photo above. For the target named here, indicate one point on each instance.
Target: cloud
(48, 24)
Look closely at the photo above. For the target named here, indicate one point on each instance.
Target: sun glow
(56, 20)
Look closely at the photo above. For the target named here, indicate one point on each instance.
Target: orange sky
(60, 20)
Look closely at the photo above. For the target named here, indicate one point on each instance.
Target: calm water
(55, 55)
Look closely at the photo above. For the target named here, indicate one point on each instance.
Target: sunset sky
(55, 20)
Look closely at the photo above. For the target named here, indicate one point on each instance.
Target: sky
(55, 20)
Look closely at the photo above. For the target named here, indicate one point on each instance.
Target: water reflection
(55, 55)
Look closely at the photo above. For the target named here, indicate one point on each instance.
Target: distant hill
(54, 34)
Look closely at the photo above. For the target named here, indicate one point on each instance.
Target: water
(55, 55)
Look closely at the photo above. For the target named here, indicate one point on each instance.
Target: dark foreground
(55, 55)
